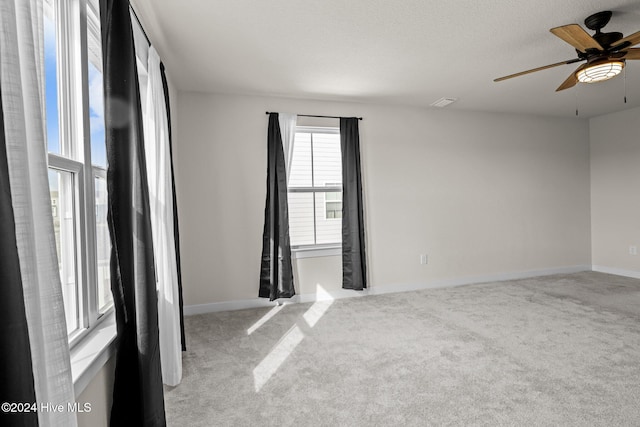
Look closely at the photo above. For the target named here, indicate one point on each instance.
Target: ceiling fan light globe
(600, 71)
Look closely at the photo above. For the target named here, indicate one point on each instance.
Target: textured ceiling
(409, 52)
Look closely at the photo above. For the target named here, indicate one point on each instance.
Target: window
(333, 203)
(315, 188)
(77, 159)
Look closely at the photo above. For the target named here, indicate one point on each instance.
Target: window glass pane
(62, 191)
(96, 94)
(96, 117)
(51, 80)
(327, 160)
(301, 219)
(300, 172)
(333, 196)
(328, 219)
(103, 247)
(333, 210)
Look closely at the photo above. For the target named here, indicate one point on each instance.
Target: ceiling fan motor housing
(596, 22)
(607, 39)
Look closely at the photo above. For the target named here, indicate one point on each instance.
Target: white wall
(99, 393)
(480, 193)
(615, 191)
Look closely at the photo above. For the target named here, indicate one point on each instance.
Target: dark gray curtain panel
(176, 232)
(276, 274)
(137, 394)
(354, 269)
(16, 371)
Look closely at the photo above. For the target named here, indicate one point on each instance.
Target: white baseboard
(447, 283)
(616, 271)
(379, 290)
(213, 307)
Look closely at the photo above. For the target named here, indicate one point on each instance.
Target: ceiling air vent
(443, 102)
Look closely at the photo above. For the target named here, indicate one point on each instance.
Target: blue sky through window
(51, 86)
(96, 117)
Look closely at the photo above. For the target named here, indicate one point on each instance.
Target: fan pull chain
(576, 93)
(624, 76)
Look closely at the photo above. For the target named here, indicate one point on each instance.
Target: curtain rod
(324, 117)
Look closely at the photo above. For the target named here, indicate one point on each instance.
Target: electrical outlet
(633, 250)
(423, 259)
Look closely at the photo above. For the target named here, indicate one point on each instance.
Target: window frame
(73, 31)
(315, 247)
(75, 169)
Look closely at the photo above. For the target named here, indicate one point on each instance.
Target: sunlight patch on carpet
(319, 308)
(270, 364)
(294, 336)
(264, 319)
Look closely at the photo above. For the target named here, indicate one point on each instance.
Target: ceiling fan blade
(522, 73)
(633, 40)
(577, 37)
(631, 53)
(571, 80)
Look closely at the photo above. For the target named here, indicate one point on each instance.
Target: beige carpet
(558, 350)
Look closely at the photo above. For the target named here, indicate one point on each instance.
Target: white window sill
(315, 251)
(92, 352)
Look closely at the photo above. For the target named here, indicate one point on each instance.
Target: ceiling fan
(605, 53)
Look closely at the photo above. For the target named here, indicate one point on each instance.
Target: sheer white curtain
(22, 80)
(156, 142)
(287, 122)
